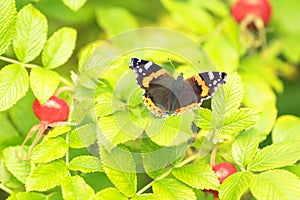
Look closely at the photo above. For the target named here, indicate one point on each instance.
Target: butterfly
(165, 96)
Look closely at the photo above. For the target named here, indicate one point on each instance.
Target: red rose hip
(257, 8)
(223, 170)
(54, 110)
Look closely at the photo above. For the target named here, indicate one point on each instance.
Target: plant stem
(6, 189)
(184, 162)
(66, 81)
(213, 156)
(17, 62)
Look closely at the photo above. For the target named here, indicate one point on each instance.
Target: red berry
(258, 8)
(54, 110)
(223, 170)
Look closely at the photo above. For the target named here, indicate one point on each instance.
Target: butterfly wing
(157, 84)
(198, 88)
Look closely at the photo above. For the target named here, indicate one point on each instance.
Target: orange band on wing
(153, 108)
(153, 75)
(203, 85)
(187, 108)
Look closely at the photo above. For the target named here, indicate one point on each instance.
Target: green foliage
(197, 175)
(244, 147)
(226, 102)
(59, 48)
(286, 129)
(134, 154)
(74, 5)
(31, 33)
(57, 146)
(119, 166)
(235, 185)
(275, 156)
(107, 193)
(271, 182)
(106, 17)
(14, 163)
(13, 86)
(169, 188)
(46, 176)
(86, 164)
(7, 23)
(43, 83)
(76, 188)
(83, 136)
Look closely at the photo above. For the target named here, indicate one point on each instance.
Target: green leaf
(203, 118)
(197, 175)
(31, 33)
(267, 120)
(223, 53)
(59, 48)
(13, 85)
(31, 196)
(75, 187)
(43, 83)
(235, 185)
(109, 193)
(58, 131)
(7, 179)
(171, 131)
(21, 116)
(217, 7)
(106, 18)
(146, 196)
(295, 169)
(244, 147)
(19, 168)
(234, 92)
(103, 104)
(47, 176)
(275, 156)
(169, 188)
(8, 127)
(83, 136)
(275, 185)
(120, 168)
(286, 129)
(235, 121)
(190, 15)
(239, 120)
(49, 150)
(74, 4)
(119, 128)
(86, 164)
(7, 23)
(156, 159)
(267, 68)
(255, 87)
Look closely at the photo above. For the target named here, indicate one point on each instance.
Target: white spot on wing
(211, 75)
(148, 65)
(140, 70)
(215, 82)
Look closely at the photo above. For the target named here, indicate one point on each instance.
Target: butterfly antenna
(170, 61)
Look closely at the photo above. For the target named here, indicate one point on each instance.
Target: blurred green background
(208, 22)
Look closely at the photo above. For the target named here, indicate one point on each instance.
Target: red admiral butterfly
(165, 96)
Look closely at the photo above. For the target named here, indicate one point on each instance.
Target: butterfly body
(165, 96)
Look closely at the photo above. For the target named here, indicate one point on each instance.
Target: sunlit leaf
(31, 33)
(13, 85)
